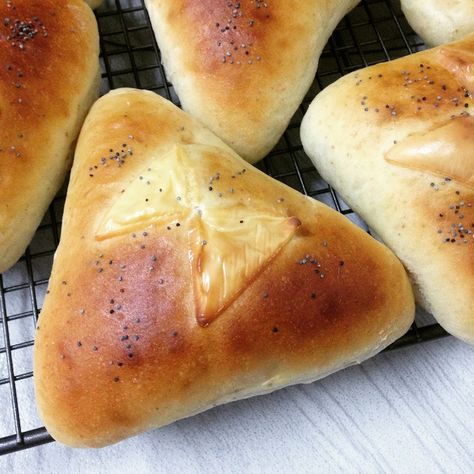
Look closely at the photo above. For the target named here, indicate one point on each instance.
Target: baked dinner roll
(243, 68)
(397, 141)
(186, 278)
(49, 77)
(440, 21)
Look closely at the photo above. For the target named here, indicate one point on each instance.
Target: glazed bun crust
(405, 163)
(243, 68)
(142, 326)
(48, 84)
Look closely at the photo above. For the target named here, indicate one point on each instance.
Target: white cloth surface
(410, 410)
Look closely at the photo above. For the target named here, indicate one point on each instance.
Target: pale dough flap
(446, 151)
(230, 252)
(231, 239)
(460, 62)
(157, 193)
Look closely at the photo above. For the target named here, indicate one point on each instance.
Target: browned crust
(119, 349)
(426, 87)
(242, 68)
(434, 89)
(38, 81)
(424, 207)
(41, 80)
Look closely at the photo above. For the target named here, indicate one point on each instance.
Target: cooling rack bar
(423, 334)
(30, 439)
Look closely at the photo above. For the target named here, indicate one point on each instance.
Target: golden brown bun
(47, 84)
(127, 341)
(94, 3)
(186, 278)
(397, 140)
(440, 21)
(243, 68)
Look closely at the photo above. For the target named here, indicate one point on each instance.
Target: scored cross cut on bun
(226, 252)
(186, 278)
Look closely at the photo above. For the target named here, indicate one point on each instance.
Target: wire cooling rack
(375, 31)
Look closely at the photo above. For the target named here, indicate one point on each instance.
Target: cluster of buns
(186, 278)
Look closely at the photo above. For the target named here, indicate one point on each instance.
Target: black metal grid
(375, 31)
